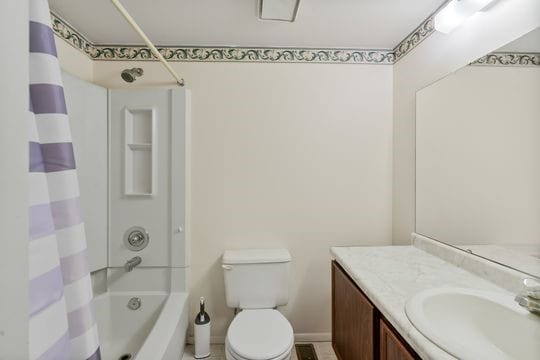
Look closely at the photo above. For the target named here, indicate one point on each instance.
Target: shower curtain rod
(145, 38)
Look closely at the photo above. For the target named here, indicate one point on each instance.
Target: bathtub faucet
(131, 263)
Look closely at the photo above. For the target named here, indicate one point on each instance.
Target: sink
(473, 324)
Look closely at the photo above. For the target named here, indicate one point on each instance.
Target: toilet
(256, 282)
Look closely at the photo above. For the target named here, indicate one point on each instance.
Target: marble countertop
(390, 275)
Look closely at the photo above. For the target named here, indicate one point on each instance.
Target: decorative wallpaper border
(69, 34)
(508, 59)
(240, 54)
(415, 38)
(274, 55)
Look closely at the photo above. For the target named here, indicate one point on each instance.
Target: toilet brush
(202, 333)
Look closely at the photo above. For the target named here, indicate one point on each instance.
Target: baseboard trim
(299, 337)
(313, 337)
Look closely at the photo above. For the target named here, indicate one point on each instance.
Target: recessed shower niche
(148, 152)
(139, 156)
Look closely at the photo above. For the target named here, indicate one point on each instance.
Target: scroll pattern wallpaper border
(508, 59)
(416, 37)
(275, 55)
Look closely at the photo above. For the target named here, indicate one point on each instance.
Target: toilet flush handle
(227, 267)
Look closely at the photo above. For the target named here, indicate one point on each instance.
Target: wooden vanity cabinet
(359, 331)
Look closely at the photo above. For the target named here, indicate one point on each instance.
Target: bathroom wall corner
(73, 61)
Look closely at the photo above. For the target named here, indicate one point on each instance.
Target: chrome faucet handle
(528, 303)
(531, 288)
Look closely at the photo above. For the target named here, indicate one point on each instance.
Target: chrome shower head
(130, 75)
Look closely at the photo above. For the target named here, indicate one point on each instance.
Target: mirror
(478, 157)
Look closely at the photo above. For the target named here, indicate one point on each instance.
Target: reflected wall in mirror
(478, 157)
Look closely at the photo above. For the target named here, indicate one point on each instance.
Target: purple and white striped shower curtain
(62, 322)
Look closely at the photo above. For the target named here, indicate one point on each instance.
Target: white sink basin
(476, 325)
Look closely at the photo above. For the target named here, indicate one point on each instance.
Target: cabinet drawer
(391, 345)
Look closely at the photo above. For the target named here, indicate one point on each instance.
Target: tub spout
(131, 263)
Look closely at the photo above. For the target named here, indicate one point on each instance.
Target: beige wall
(284, 155)
(434, 58)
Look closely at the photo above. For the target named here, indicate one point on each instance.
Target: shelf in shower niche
(140, 169)
(139, 195)
(143, 147)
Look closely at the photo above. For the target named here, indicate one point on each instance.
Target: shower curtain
(62, 323)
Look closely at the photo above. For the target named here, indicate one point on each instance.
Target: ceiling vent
(278, 10)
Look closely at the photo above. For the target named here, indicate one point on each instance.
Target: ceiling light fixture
(455, 12)
(278, 10)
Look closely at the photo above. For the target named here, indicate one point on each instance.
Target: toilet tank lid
(256, 256)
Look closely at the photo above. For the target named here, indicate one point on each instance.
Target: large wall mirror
(478, 157)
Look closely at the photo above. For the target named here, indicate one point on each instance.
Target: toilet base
(230, 356)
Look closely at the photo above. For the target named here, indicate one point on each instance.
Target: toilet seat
(261, 334)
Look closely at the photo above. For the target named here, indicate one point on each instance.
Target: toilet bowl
(257, 282)
(260, 334)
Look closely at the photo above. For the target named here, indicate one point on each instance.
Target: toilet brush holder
(202, 332)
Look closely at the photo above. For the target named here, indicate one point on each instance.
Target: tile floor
(324, 352)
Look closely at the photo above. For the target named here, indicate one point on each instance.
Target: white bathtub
(155, 331)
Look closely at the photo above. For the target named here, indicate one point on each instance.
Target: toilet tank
(256, 279)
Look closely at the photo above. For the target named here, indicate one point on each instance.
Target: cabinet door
(352, 319)
(392, 347)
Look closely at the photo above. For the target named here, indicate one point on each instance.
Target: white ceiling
(527, 43)
(379, 24)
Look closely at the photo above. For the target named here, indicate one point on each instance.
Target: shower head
(130, 75)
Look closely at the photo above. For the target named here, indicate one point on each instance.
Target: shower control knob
(136, 238)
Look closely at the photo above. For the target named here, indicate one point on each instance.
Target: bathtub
(154, 331)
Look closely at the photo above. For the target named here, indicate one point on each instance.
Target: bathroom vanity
(359, 330)
(426, 301)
